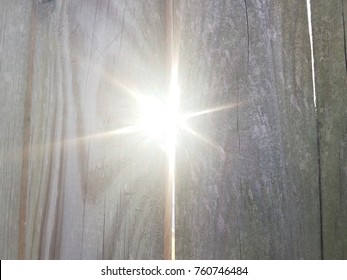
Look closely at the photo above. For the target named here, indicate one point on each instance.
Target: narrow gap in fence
(344, 34)
(169, 216)
(173, 155)
(309, 18)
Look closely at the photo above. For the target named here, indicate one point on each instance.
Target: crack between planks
(104, 228)
(320, 189)
(239, 223)
(344, 34)
(247, 23)
(169, 210)
(310, 31)
(318, 124)
(238, 115)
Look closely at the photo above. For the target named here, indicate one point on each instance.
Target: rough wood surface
(249, 190)
(329, 33)
(65, 75)
(14, 71)
(264, 179)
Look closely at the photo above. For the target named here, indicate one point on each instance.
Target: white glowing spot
(160, 120)
(152, 116)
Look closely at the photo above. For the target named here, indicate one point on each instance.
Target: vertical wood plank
(247, 180)
(91, 194)
(329, 36)
(15, 37)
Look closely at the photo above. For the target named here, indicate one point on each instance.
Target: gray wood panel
(15, 67)
(86, 194)
(329, 33)
(250, 183)
(249, 189)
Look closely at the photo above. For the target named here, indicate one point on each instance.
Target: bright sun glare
(160, 120)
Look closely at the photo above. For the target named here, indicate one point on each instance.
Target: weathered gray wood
(85, 194)
(253, 193)
(329, 34)
(250, 186)
(15, 63)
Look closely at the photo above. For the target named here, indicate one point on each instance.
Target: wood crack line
(344, 35)
(247, 22)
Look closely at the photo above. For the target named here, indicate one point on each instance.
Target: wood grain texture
(263, 178)
(329, 34)
(247, 187)
(86, 194)
(15, 37)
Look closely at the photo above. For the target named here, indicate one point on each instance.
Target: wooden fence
(263, 176)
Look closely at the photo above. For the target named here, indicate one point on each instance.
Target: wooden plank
(90, 194)
(247, 187)
(329, 35)
(15, 64)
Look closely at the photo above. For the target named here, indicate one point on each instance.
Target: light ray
(109, 78)
(209, 111)
(120, 131)
(125, 130)
(201, 137)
